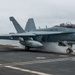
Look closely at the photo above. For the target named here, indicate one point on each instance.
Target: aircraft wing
(34, 33)
(5, 36)
(16, 35)
(39, 33)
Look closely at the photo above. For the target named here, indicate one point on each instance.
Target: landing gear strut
(27, 48)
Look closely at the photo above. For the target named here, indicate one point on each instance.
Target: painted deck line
(0, 64)
(26, 70)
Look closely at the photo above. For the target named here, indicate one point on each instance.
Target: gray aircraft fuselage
(56, 37)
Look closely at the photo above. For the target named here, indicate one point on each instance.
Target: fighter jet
(33, 38)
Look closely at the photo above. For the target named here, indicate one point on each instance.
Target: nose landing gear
(69, 51)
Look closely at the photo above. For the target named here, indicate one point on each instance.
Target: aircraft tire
(69, 51)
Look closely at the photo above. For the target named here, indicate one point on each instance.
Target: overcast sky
(44, 12)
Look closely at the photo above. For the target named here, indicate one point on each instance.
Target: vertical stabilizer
(18, 28)
(30, 26)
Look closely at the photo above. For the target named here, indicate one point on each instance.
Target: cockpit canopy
(67, 25)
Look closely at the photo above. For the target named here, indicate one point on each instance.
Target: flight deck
(18, 61)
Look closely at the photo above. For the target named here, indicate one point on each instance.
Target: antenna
(46, 26)
(39, 27)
